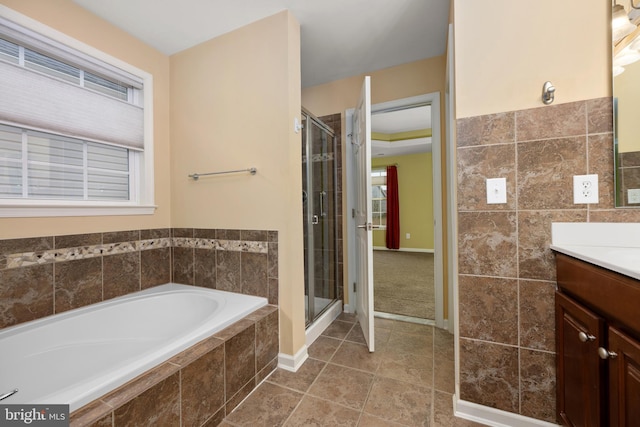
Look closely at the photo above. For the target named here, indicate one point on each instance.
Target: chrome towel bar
(195, 176)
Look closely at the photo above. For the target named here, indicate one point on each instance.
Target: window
(379, 197)
(37, 165)
(75, 127)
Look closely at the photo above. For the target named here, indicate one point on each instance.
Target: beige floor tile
(268, 405)
(399, 402)
(411, 343)
(356, 335)
(301, 380)
(342, 385)
(408, 367)
(444, 374)
(367, 420)
(338, 329)
(347, 317)
(313, 412)
(323, 348)
(379, 322)
(356, 356)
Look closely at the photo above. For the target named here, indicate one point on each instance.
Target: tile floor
(408, 381)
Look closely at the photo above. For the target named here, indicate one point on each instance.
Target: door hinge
(353, 213)
(354, 286)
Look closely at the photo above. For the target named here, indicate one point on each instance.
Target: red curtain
(393, 209)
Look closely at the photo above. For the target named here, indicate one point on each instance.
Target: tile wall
(506, 269)
(334, 121)
(197, 387)
(46, 275)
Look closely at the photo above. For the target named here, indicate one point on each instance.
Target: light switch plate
(496, 191)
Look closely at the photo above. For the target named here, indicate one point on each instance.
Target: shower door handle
(322, 196)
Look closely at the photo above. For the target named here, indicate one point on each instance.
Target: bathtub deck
(201, 384)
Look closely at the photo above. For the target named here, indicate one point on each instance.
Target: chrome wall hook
(548, 93)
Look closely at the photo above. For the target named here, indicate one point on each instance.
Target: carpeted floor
(403, 283)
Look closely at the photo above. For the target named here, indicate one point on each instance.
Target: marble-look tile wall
(46, 275)
(197, 387)
(506, 270)
(334, 121)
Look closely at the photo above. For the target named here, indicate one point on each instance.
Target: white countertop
(614, 246)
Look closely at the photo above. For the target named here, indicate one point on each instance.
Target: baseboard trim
(382, 248)
(317, 328)
(404, 318)
(494, 417)
(293, 363)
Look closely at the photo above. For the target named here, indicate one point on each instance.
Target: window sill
(33, 210)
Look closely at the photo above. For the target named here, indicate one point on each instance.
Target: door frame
(433, 99)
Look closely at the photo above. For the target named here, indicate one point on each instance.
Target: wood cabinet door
(624, 379)
(579, 333)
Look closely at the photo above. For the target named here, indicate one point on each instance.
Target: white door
(364, 234)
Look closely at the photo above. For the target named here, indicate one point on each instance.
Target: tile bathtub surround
(194, 387)
(506, 269)
(47, 275)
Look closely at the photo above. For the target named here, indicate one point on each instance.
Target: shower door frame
(311, 315)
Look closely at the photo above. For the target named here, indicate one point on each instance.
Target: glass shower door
(320, 232)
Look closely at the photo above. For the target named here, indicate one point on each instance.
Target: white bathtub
(79, 355)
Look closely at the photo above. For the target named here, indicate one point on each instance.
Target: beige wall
(233, 103)
(70, 19)
(505, 50)
(415, 188)
(402, 81)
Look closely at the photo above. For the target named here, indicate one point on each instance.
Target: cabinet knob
(606, 354)
(585, 337)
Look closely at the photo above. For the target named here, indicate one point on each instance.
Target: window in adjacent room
(75, 124)
(379, 197)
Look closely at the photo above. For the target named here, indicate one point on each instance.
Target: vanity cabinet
(598, 345)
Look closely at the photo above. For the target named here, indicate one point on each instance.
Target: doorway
(433, 101)
(403, 256)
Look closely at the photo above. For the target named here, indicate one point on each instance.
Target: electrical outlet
(585, 189)
(408, 236)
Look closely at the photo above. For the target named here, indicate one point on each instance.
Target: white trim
(382, 248)
(315, 329)
(403, 318)
(293, 363)
(44, 210)
(452, 179)
(348, 309)
(494, 417)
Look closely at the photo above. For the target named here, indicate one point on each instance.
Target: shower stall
(319, 199)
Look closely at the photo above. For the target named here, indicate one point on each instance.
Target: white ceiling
(339, 38)
(405, 120)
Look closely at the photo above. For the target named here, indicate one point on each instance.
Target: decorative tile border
(26, 259)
